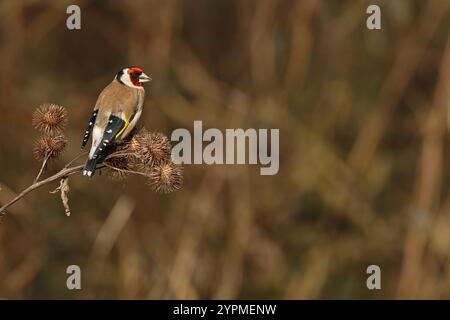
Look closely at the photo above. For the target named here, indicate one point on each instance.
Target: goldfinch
(115, 114)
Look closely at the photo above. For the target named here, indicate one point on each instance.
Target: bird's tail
(89, 167)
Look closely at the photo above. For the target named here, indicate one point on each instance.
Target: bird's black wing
(88, 132)
(113, 129)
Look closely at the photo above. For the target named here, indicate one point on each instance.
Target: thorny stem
(117, 154)
(63, 173)
(125, 170)
(73, 160)
(44, 163)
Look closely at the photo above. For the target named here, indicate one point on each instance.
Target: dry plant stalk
(143, 153)
(64, 190)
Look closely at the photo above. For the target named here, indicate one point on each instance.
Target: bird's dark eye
(135, 74)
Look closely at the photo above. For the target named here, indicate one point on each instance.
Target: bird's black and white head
(133, 77)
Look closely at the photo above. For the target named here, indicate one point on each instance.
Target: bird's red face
(133, 77)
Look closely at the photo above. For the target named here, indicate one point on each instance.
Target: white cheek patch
(125, 78)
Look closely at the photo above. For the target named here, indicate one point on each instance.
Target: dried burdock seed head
(166, 177)
(115, 174)
(49, 147)
(155, 148)
(118, 164)
(151, 148)
(50, 118)
(133, 145)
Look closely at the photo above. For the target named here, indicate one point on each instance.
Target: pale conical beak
(144, 78)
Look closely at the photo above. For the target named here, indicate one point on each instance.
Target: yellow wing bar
(123, 129)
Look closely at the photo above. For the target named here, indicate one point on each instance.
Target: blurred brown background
(363, 150)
